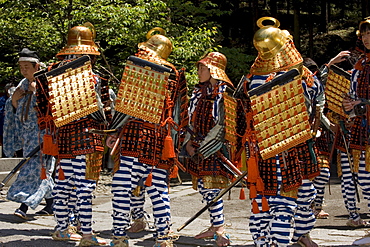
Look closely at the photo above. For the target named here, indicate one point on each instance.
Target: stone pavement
(185, 203)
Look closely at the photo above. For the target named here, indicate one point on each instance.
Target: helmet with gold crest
(276, 49)
(158, 43)
(80, 41)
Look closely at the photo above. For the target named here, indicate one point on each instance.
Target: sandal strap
(120, 238)
(168, 243)
(169, 236)
(94, 241)
(209, 229)
(120, 241)
(223, 235)
(167, 239)
(64, 234)
(61, 235)
(357, 223)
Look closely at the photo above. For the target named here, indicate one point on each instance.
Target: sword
(229, 165)
(19, 166)
(100, 132)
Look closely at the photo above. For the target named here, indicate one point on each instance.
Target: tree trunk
(273, 8)
(342, 7)
(365, 8)
(324, 17)
(310, 32)
(255, 14)
(296, 34)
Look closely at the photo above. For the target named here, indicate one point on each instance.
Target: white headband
(28, 59)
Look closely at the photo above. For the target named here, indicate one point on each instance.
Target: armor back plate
(69, 91)
(230, 118)
(142, 91)
(280, 118)
(337, 85)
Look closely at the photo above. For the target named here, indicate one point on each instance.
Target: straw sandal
(357, 223)
(207, 233)
(119, 241)
(93, 241)
(168, 240)
(306, 241)
(320, 214)
(61, 236)
(222, 239)
(138, 225)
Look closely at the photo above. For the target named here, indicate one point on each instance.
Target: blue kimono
(21, 131)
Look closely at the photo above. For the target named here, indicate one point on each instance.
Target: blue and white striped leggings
(304, 219)
(319, 182)
(74, 172)
(348, 185)
(125, 180)
(274, 226)
(216, 211)
(137, 205)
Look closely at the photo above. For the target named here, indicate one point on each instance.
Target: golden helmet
(80, 41)
(276, 49)
(270, 39)
(158, 43)
(216, 63)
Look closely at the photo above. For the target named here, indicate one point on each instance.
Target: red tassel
(260, 186)
(265, 204)
(252, 192)
(242, 194)
(61, 174)
(174, 172)
(43, 173)
(255, 208)
(49, 146)
(168, 149)
(148, 181)
(252, 169)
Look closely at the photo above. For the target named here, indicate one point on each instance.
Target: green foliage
(195, 27)
(120, 26)
(191, 13)
(193, 44)
(238, 63)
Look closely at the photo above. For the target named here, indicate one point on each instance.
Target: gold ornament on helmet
(216, 63)
(276, 50)
(158, 43)
(270, 39)
(80, 41)
(365, 21)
